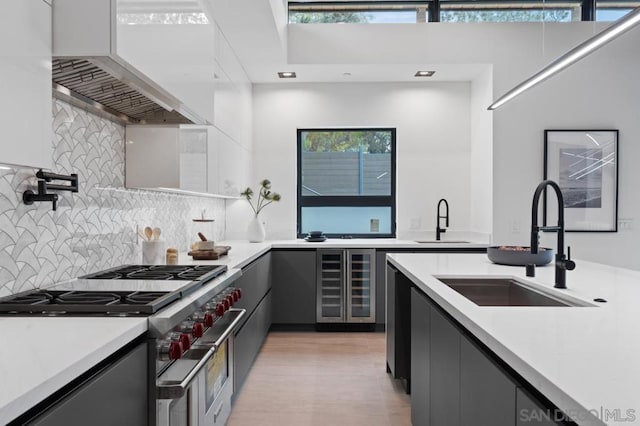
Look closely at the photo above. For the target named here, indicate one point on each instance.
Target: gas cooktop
(160, 272)
(122, 291)
(55, 302)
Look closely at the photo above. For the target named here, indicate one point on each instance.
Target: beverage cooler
(346, 290)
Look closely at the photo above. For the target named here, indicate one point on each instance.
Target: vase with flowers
(255, 231)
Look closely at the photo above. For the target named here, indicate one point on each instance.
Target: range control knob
(204, 317)
(226, 304)
(220, 309)
(239, 292)
(175, 350)
(170, 350)
(229, 299)
(182, 337)
(208, 319)
(234, 295)
(185, 339)
(198, 329)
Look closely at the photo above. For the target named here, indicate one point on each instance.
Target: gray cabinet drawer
(294, 287)
(116, 395)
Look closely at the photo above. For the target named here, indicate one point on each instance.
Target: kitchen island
(583, 359)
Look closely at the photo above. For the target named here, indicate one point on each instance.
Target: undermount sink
(440, 241)
(506, 292)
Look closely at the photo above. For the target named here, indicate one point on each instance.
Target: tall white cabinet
(25, 83)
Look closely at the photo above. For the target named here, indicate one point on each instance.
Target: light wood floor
(321, 379)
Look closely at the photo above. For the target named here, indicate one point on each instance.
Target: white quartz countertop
(40, 355)
(586, 360)
(243, 252)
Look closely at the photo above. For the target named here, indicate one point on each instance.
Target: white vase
(255, 230)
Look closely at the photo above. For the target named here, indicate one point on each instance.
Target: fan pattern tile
(95, 228)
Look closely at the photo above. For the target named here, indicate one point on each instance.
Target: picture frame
(584, 163)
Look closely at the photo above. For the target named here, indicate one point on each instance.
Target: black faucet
(44, 184)
(445, 217)
(563, 264)
(29, 197)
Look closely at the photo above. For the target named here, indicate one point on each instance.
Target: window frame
(346, 200)
(587, 7)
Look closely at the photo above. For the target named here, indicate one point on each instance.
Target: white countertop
(382, 243)
(40, 355)
(581, 358)
(243, 252)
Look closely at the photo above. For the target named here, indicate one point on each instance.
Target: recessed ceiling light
(346, 74)
(424, 73)
(287, 74)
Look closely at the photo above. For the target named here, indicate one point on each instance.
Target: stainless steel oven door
(197, 389)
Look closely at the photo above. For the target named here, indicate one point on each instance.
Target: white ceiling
(257, 30)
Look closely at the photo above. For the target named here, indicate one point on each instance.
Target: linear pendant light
(574, 55)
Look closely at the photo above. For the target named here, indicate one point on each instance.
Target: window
(389, 12)
(612, 10)
(346, 182)
(373, 12)
(509, 11)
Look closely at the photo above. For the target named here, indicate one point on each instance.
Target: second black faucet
(445, 217)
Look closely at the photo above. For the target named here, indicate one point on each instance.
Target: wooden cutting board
(216, 253)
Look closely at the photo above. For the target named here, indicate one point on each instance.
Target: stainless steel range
(191, 320)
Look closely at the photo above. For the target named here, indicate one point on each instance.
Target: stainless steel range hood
(87, 71)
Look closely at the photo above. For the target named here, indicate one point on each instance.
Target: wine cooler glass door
(330, 286)
(360, 289)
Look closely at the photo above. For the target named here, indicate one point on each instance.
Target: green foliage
(552, 15)
(330, 17)
(265, 196)
(347, 141)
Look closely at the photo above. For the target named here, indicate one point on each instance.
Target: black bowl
(315, 234)
(507, 255)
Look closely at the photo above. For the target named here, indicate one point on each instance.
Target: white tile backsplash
(93, 229)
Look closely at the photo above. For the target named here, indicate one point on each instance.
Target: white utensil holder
(153, 252)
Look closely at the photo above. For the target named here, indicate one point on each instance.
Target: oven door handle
(220, 340)
(173, 389)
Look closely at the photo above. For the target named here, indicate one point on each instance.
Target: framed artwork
(584, 163)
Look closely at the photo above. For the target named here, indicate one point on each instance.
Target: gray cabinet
(293, 282)
(390, 314)
(420, 358)
(255, 282)
(381, 272)
(256, 299)
(249, 340)
(529, 412)
(444, 371)
(487, 394)
(398, 330)
(116, 395)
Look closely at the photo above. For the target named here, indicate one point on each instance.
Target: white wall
(481, 163)
(433, 143)
(602, 91)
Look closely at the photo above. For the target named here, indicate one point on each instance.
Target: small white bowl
(205, 245)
